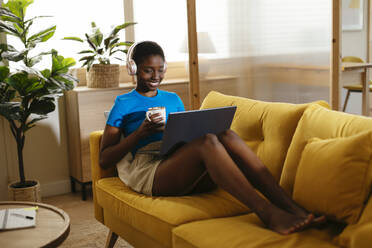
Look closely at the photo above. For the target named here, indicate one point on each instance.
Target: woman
(198, 166)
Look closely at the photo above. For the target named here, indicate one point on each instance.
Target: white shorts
(138, 172)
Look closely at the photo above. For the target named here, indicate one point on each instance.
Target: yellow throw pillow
(334, 176)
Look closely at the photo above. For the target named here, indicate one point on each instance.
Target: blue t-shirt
(129, 111)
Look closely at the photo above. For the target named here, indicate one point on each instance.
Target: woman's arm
(113, 149)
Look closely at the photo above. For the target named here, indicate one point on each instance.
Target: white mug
(156, 110)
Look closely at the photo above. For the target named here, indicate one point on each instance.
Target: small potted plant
(28, 94)
(97, 59)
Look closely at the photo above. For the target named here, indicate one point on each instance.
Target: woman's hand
(149, 127)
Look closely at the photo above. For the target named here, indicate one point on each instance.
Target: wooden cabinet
(84, 113)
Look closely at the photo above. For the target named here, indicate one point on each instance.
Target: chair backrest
(352, 59)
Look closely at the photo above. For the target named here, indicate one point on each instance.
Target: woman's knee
(228, 136)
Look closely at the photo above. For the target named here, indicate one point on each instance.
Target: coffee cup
(156, 110)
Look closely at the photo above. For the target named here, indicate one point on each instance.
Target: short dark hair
(144, 49)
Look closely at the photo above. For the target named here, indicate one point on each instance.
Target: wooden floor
(85, 230)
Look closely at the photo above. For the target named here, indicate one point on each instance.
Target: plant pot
(103, 76)
(29, 193)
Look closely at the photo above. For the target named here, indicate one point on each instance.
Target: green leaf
(87, 58)
(61, 64)
(34, 60)
(4, 73)
(9, 29)
(31, 123)
(34, 87)
(90, 42)
(14, 56)
(18, 7)
(42, 107)
(6, 14)
(119, 59)
(122, 26)
(46, 73)
(35, 17)
(43, 35)
(96, 37)
(120, 44)
(118, 50)
(85, 51)
(32, 73)
(73, 38)
(11, 110)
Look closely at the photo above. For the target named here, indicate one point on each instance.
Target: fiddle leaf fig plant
(27, 94)
(102, 49)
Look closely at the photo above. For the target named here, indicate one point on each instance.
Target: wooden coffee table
(52, 227)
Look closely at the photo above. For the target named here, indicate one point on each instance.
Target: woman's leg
(258, 174)
(177, 173)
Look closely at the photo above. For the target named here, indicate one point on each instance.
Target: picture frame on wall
(352, 15)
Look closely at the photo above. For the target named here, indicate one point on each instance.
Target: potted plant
(97, 59)
(28, 94)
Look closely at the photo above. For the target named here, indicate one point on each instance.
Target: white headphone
(131, 64)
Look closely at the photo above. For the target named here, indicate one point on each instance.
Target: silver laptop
(183, 127)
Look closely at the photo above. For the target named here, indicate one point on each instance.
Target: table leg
(365, 93)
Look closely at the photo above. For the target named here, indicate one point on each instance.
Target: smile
(154, 84)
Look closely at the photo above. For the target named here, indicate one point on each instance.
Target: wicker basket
(31, 193)
(103, 76)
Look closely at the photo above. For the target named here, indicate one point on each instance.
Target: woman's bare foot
(286, 223)
(301, 212)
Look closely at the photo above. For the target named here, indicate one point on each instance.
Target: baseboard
(55, 188)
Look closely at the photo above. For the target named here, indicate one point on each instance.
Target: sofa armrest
(362, 237)
(97, 171)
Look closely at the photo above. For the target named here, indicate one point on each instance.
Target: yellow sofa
(278, 134)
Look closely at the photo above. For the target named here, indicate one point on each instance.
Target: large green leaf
(18, 7)
(19, 81)
(24, 82)
(7, 15)
(4, 73)
(43, 35)
(42, 107)
(61, 64)
(11, 110)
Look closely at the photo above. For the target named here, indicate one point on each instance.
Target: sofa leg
(111, 239)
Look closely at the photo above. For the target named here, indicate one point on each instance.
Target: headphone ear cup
(165, 66)
(131, 67)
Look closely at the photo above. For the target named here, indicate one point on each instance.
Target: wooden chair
(353, 87)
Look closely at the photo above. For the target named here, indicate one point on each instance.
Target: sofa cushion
(156, 216)
(266, 127)
(322, 123)
(344, 239)
(332, 176)
(245, 231)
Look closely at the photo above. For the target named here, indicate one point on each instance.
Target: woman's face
(150, 73)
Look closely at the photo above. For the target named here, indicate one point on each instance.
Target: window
(72, 18)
